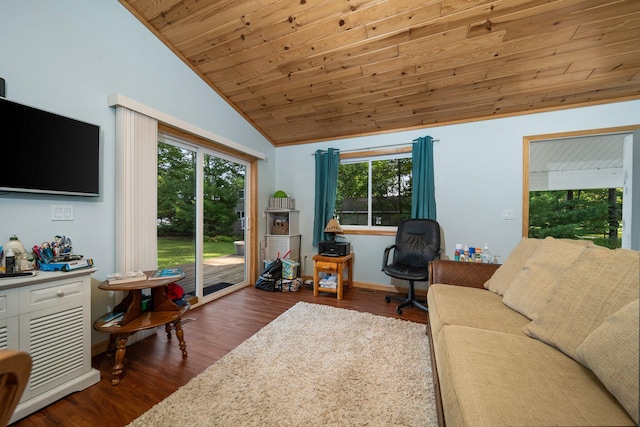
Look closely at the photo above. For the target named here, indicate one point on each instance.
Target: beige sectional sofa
(550, 337)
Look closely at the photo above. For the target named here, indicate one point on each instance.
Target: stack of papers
(330, 282)
(129, 276)
(167, 273)
(113, 319)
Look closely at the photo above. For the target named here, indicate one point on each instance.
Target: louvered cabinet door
(52, 327)
(9, 338)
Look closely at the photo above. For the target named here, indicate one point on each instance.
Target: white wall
(478, 174)
(67, 57)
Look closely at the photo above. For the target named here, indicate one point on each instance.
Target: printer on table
(333, 248)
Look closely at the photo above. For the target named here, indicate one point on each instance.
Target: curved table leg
(121, 349)
(112, 343)
(167, 329)
(177, 325)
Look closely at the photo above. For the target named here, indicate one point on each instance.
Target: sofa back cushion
(502, 278)
(598, 283)
(530, 289)
(611, 352)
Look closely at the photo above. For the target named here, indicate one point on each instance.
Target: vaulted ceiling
(311, 70)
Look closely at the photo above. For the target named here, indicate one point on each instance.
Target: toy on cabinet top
(281, 225)
(280, 200)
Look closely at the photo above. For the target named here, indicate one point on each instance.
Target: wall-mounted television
(47, 153)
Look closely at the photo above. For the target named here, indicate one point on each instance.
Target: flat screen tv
(47, 153)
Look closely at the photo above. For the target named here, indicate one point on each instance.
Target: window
(137, 184)
(201, 216)
(374, 191)
(576, 184)
(593, 214)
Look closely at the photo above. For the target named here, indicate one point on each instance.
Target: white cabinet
(281, 245)
(49, 317)
(9, 328)
(282, 222)
(283, 234)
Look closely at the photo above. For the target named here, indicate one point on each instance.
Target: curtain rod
(381, 146)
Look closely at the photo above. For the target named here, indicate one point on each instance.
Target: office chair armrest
(385, 256)
(468, 274)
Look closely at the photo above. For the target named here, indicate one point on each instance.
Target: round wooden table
(161, 311)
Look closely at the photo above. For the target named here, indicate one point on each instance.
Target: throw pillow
(599, 283)
(530, 289)
(611, 352)
(507, 272)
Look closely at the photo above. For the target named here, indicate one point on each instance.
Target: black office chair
(417, 244)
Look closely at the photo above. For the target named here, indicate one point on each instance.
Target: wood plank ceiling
(312, 70)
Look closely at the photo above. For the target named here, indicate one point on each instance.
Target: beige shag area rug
(314, 365)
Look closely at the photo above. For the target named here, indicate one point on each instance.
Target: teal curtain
(423, 201)
(327, 163)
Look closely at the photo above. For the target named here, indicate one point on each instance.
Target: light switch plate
(508, 214)
(61, 212)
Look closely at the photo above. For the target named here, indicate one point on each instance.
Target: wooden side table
(332, 264)
(163, 311)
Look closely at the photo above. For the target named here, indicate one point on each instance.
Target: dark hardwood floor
(154, 367)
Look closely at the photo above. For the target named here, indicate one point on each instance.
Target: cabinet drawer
(327, 266)
(38, 298)
(9, 303)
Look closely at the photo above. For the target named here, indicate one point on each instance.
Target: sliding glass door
(201, 221)
(223, 258)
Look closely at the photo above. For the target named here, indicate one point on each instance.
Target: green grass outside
(174, 251)
(602, 241)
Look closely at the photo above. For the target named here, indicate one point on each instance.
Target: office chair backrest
(15, 368)
(417, 242)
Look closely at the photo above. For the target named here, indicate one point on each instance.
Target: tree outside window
(594, 214)
(374, 192)
(223, 182)
(176, 190)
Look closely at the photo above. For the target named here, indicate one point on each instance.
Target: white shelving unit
(283, 234)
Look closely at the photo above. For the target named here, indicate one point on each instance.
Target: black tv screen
(44, 152)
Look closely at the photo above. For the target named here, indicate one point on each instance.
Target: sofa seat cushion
(478, 308)
(491, 378)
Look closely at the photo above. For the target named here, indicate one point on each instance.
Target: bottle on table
(486, 254)
(10, 261)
